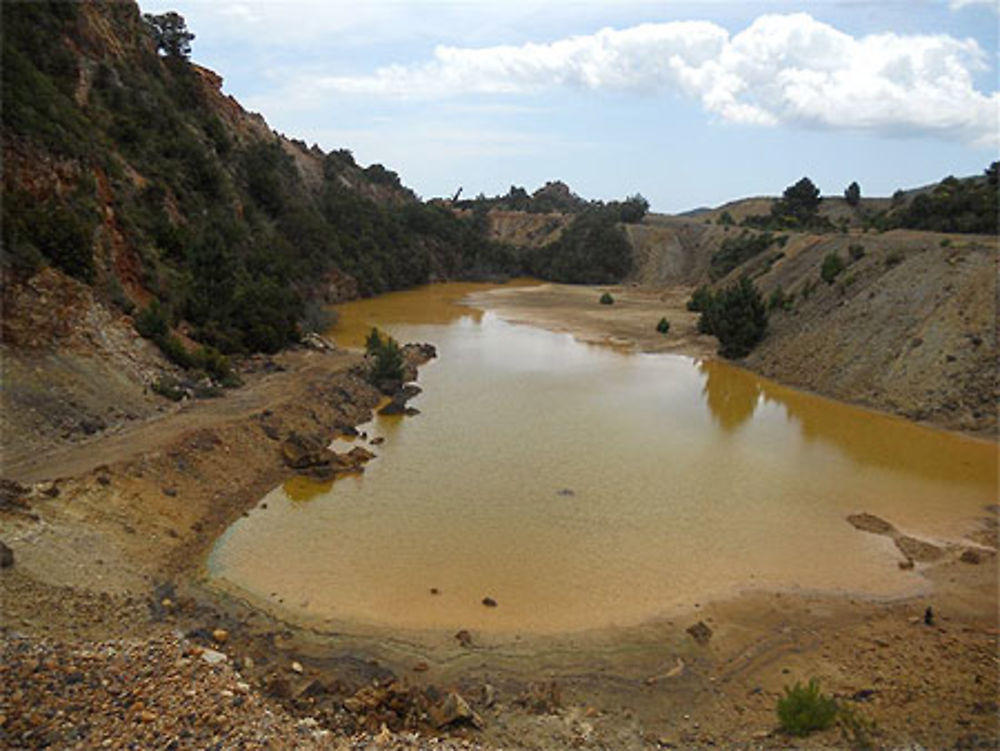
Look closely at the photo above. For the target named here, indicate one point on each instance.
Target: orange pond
(583, 487)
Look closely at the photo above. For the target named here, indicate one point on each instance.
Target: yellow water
(584, 487)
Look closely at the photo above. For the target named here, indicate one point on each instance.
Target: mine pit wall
(909, 328)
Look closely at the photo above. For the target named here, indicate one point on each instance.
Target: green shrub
(169, 388)
(833, 264)
(809, 287)
(737, 317)
(607, 299)
(151, 322)
(736, 250)
(804, 709)
(946, 242)
(663, 326)
(894, 258)
(857, 251)
(388, 364)
(779, 300)
(700, 299)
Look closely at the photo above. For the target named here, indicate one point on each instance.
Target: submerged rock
(700, 632)
(918, 550)
(870, 523)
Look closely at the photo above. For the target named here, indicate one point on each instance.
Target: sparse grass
(805, 709)
(894, 258)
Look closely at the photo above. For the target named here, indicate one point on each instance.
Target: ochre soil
(111, 542)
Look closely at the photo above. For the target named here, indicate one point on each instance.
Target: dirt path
(261, 391)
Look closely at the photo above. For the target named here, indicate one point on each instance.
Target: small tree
(388, 365)
(852, 194)
(170, 33)
(737, 316)
(799, 202)
(607, 299)
(663, 326)
(833, 264)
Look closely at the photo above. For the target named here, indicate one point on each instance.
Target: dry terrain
(111, 638)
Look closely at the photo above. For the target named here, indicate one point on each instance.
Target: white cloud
(959, 4)
(782, 69)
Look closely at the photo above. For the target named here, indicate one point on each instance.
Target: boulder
(6, 556)
(397, 406)
(454, 710)
(304, 451)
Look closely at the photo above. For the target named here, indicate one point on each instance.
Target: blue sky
(688, 103)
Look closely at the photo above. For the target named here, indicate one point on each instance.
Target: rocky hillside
(127, 168)
(901, 320)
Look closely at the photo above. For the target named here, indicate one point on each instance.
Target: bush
(388, 358)
(663, 326)
(737, 317)
(804, 709)
(833, 264)
(607, 299)
(857, 251)
(700, 299)
(736, 250)
(779, 300)
(894, 258)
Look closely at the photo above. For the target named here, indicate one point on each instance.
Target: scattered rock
(870, 523)
(464, 638)
(435, 591)
(906, 564)
(170, 492)
(220, 635)
(421, 667)
(700, 632)
(296, 667)
(6, 556)
(565, 492)
(929, 616)
(489, 695)
(970, 555)
(397, 404)
(489, 602)
(541, 698)
(454, 710)
(12, 493)
(212, 657)
(377, 440)
(304, 451)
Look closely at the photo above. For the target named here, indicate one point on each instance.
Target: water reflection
(731, 394)
(433, 304)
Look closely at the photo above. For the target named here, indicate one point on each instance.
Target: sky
(690, 104)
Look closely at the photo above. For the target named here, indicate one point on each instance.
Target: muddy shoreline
(115, 550)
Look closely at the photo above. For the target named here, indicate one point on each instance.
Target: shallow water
(582, 487)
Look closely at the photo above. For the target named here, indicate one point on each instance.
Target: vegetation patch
(736, 316)
(387, 358)
(805, 709)
(607, 299)
(663, 326)
(833, 264)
